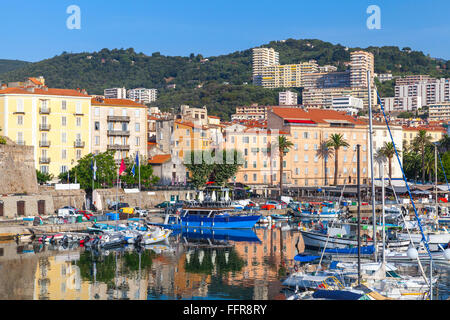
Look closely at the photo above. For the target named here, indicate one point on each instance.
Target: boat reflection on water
(214, 237)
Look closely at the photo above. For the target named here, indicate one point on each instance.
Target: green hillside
(221, 78)
(10, 65)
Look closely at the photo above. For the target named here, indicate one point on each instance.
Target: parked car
(66, 212)
(127, 210)
(118, 206)
(164, 204)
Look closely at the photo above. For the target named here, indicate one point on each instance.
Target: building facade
(308, 129)
(263, 57)
(55, 121)
(287, 98)
(143, 95)
(115, 93)
(360, 63)
(119, 125)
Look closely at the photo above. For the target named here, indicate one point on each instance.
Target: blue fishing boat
(217, 218)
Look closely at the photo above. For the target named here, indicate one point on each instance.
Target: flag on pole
(94, 168)
(133, 171)
(122, 167)
(137, 160)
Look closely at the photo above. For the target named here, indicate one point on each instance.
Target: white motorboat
(153, 235)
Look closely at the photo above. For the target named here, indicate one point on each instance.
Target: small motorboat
(153, 235)
(277, 216)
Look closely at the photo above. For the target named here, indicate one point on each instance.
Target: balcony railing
(21, 142)
(44, 127)
(44, 160)
(119, 118)
(44, 110)
(79, 144)
(118, 133)
(118, 147)
(44, 144)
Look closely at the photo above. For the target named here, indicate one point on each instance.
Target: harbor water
(198, 264)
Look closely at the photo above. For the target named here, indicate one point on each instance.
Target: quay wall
(11, 205)
(17, 170)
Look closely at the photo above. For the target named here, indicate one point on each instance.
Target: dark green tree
(43, 177)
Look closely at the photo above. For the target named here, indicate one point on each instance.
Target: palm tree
(429, 163)
(324, 152)
(388, 150)
(335, 142)
(420, 142)
(283, 148)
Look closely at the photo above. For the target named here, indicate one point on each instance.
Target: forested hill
(10, 65)
(127, 68)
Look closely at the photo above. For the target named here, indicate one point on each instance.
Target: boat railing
(208, 204)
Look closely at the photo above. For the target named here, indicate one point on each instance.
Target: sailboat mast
(375, 253)
(435, 179)
(382, 209)
(358, 191)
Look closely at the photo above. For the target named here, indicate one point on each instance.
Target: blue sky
(36, 30)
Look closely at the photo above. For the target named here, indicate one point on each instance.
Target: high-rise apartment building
(287, 98)
(263, 57)
(360, 63)
(287, 76)
(143, 95)
(115, 93)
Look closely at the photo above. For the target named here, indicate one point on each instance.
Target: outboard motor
(65, 239)
(138, 239)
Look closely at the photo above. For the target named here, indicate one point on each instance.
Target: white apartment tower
(142, 95)
(287, 98)
(263, 57)
(115, 93)
(360, 63)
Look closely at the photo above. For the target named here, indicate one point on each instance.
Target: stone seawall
(17, 170)
(62, 198)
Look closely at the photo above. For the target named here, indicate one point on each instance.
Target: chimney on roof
(83, 91)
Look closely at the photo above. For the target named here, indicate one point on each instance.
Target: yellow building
(410, 133)
(308, 129)
(55, 121)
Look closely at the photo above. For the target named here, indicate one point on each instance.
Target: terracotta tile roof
(160, 159)
(424, 128)
(48, 92)
(315, 115)
(115, 102)
(214, 117)
(35, 81)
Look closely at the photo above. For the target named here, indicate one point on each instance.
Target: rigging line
(404, 178)
(443, 170)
